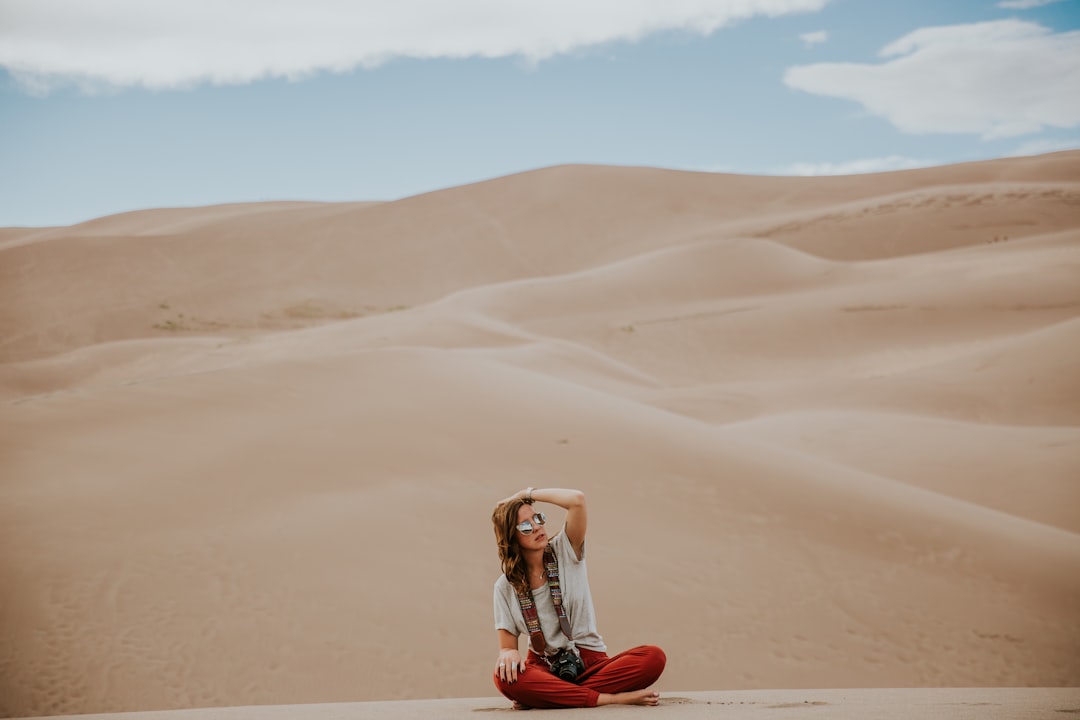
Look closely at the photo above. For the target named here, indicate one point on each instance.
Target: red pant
(635, 669)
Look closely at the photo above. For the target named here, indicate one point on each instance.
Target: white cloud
(1038, 147)
(1024, 4)
(996, 79)
(855, 167)
(177, 43)
(811, 39)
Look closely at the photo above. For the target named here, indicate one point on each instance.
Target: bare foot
(638, 697)
(519, 706)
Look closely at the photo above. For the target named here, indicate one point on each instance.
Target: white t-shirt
(577, 601)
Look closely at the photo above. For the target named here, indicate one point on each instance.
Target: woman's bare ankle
(638, 697)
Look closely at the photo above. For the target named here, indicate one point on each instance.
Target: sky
(117, 105)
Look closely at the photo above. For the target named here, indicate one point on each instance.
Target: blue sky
(117, 105)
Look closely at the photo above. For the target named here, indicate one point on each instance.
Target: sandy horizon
(829, 429)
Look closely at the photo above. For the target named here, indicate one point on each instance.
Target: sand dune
(828, 428)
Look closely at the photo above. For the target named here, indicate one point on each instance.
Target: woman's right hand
(510, 665)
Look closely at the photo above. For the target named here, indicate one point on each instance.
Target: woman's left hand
(520, 494)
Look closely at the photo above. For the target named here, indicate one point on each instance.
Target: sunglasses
(527, 527)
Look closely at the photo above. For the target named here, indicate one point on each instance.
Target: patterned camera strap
(528, 607)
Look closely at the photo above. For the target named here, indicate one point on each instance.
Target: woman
(527, 575)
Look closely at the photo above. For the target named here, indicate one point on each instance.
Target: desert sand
(859, 704)
(828, 428)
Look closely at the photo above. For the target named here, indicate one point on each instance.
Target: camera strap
(528, 606)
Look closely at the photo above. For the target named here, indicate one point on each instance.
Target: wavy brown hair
(513, 564)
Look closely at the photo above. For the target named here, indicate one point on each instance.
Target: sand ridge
(827, 426)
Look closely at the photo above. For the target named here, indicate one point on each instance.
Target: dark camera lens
(567, 666)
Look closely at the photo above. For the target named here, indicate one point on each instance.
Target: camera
(567, 665)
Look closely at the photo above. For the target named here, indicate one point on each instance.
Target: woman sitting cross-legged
(543, 594)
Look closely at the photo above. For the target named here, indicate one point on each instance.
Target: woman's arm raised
(577, 517)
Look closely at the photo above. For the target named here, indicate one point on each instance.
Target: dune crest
(829, 429)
